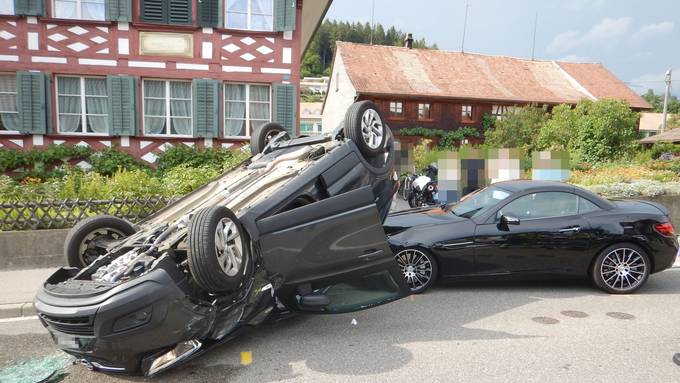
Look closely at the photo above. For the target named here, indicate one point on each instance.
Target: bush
(110, 160)
(182, 179)
(518, 129)
(660, 148)
(38, 163)
(216, 158)
(448, 139)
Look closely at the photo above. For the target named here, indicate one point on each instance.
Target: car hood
(405, 219)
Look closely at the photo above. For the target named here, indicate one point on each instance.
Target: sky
(636, 40)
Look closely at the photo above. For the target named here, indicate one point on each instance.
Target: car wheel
(261, 136)
(365, 127)
(418, 267)
(88, 239)
(218, 250)
(621, 268)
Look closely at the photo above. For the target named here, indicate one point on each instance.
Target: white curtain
(70, 117)
(235, 110)
(237, 14)
(180, 108)
(261, 15)
(259, 106)
(93, 9)
(9, 118)
(96, 104)
(6, 7)
(154, 108)
(66, 9)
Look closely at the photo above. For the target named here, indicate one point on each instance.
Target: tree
(656, 101)
(319, 55)
(519, 128)
(557, 132)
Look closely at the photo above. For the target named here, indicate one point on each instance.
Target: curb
(14, 310)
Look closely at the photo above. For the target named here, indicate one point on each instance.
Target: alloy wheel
(623, 269)
(93, 245)
(416, 268)
(228, 246)
(372, 128)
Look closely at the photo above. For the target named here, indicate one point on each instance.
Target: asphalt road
(482, 332)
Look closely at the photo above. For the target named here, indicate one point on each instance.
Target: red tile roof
(432, 73)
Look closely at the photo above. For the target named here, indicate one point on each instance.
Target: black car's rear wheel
(621, 268)
(418, 267)
(364, 125)
(218, 250)
(89, 238)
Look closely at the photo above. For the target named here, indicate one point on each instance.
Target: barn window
(396, 108)
(466, 112)
(424, 111)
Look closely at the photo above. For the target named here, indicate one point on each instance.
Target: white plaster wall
(341, 94)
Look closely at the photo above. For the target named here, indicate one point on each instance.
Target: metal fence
(59, 214)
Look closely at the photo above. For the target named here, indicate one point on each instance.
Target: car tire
(621, 268)
(416, 264)
(365, 126)
(79, 246)
(218, 262)
(261, 136)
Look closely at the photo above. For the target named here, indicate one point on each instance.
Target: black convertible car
(297, 227)
(523, 228)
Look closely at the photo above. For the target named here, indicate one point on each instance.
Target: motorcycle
(422, 189)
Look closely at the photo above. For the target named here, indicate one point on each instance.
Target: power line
(467, 7)
(533, 44)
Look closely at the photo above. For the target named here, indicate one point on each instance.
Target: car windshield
(479, 201)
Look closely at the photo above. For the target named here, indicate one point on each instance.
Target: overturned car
(295, 228)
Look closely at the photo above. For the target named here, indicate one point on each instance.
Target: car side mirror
(507, 219)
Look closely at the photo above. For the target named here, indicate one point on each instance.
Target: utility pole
(372, 21)
(533, 44)
(665, 99)
(467, 7)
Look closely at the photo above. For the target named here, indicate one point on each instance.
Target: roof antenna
(467, 7)
(533, 44)
(372, 21)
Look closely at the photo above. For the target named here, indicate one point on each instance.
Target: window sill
(235, 138)
(60, 21)
(11, 132)
(177, 136)
(248, 31)
(76, 134)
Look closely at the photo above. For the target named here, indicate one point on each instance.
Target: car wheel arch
(622, 241)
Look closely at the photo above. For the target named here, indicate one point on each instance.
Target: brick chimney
(408, 42)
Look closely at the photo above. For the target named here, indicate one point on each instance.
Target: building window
(246, 107)
(309, 128)
(396, 108)
(256, 15)
(424, 111)
(6, 7)
(9, 116)
(83, 106)
(466, 112)
(167, 107)
(80, 9)
(498, 111)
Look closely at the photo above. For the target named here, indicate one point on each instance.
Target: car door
(331, 256)
(550, 237)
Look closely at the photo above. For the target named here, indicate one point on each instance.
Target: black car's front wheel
(418, 267)
(218, 250)
(621, 268)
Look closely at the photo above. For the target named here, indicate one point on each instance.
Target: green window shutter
(32, 102)
(153, 11)
(179, 11)
(29, 7)
(210, 13)
(285, 106)
(119, 10)
(284, 15)
(122, 105)
(206, 100)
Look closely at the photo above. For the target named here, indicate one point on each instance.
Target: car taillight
(665, 229)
